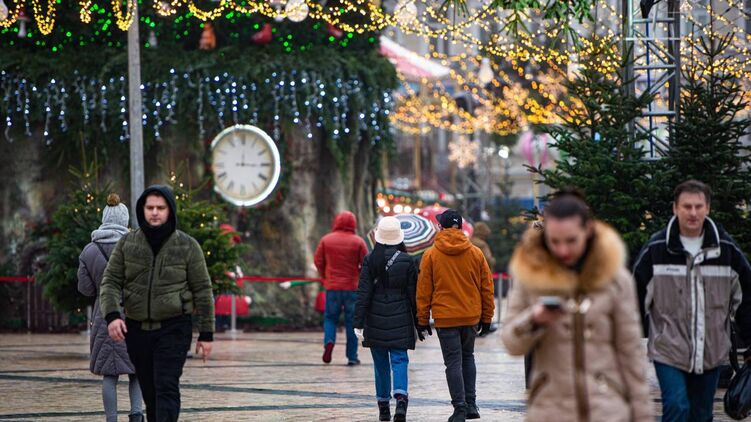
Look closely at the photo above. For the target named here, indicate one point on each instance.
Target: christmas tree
(71, 227)
(599, 155)
(707, 145)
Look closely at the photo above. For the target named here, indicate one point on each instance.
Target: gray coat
(107, 356)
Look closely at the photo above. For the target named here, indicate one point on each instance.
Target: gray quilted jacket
(107, 356)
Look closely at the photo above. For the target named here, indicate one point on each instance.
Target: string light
(45, 20)
(85, 13)
(124, 22)
(211, 14)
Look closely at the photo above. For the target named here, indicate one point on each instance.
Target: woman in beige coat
(573, 307)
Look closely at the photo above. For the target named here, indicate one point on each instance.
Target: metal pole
(135, 122)
(28, 306)
(233, 318)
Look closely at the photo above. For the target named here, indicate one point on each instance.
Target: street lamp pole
(135, 125)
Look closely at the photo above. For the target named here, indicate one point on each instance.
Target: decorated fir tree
(72, 224)
(76, 217)
(707, 146)
(599, 155)
(206, 222)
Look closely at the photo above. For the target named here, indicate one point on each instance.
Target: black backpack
(737, 398)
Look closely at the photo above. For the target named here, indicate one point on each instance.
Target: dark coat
(386, 309)
(107, 356)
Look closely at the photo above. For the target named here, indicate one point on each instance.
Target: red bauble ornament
(263, 36)
(334, 31)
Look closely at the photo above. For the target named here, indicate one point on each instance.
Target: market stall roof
(410, 64)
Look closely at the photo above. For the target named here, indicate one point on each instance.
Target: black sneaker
(460, 414)
(472, 411)
(353, 362)
(384, 411)
(135, 417)
(400, 415)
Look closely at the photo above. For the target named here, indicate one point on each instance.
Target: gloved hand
(359, 334)
(483, 329)
(421, 329)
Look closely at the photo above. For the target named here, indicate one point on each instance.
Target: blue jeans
(686, 397)
(386, 361)
(335, 301)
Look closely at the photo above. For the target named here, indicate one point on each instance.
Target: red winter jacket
(340, 253)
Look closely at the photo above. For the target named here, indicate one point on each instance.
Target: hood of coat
(345, 221)
(538, 270)
(452, 241)
(481, 231)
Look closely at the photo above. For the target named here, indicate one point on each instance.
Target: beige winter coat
(589, 366)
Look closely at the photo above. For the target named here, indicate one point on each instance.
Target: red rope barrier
(277, 279)
(27, 279)
(16, 279)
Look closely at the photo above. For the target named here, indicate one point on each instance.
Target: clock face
(246, 166)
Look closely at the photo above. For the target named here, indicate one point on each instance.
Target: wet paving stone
(256, 377)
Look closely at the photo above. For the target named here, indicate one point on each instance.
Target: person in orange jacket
(456, 284)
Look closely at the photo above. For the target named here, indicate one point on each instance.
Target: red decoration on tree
(334, 31)
(208, 37)
(263, 36)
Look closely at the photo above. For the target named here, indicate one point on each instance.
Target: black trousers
(458, 348)
(159, 357)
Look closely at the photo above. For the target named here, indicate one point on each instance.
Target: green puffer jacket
(155, 288)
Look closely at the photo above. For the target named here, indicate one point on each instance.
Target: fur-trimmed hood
(535, 267)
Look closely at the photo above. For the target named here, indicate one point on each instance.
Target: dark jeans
(159, 357)
(336, 300)
(686, 397)
(458, 348)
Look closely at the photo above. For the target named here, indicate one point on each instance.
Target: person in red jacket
(338, 258)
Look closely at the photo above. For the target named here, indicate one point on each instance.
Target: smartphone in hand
(551, 303)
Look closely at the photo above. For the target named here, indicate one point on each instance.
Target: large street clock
(246, 165)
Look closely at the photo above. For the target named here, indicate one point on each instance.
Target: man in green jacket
(159, 275)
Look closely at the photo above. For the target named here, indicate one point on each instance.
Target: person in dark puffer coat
(385, 314)
(108, 358)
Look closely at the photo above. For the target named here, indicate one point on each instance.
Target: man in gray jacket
(692, 280)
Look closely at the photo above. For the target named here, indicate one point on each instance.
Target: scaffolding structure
(654, 43)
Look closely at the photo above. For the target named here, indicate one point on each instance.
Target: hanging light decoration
(278, 4)
(296, 10)
(405, 12)
(152, 39)
(208, 37)
(485, 75)
(164, 8)
(463, 152)
(44, 25)
(4, 12)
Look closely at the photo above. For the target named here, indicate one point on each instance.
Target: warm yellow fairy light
(207, 15)
(124, 21)
(12, 16)
(45, 19)
(85, 13)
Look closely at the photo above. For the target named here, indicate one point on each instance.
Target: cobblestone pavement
(254, 377)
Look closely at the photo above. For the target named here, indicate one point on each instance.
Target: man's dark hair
(156, 193)
(566, 203)
(692, 186)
